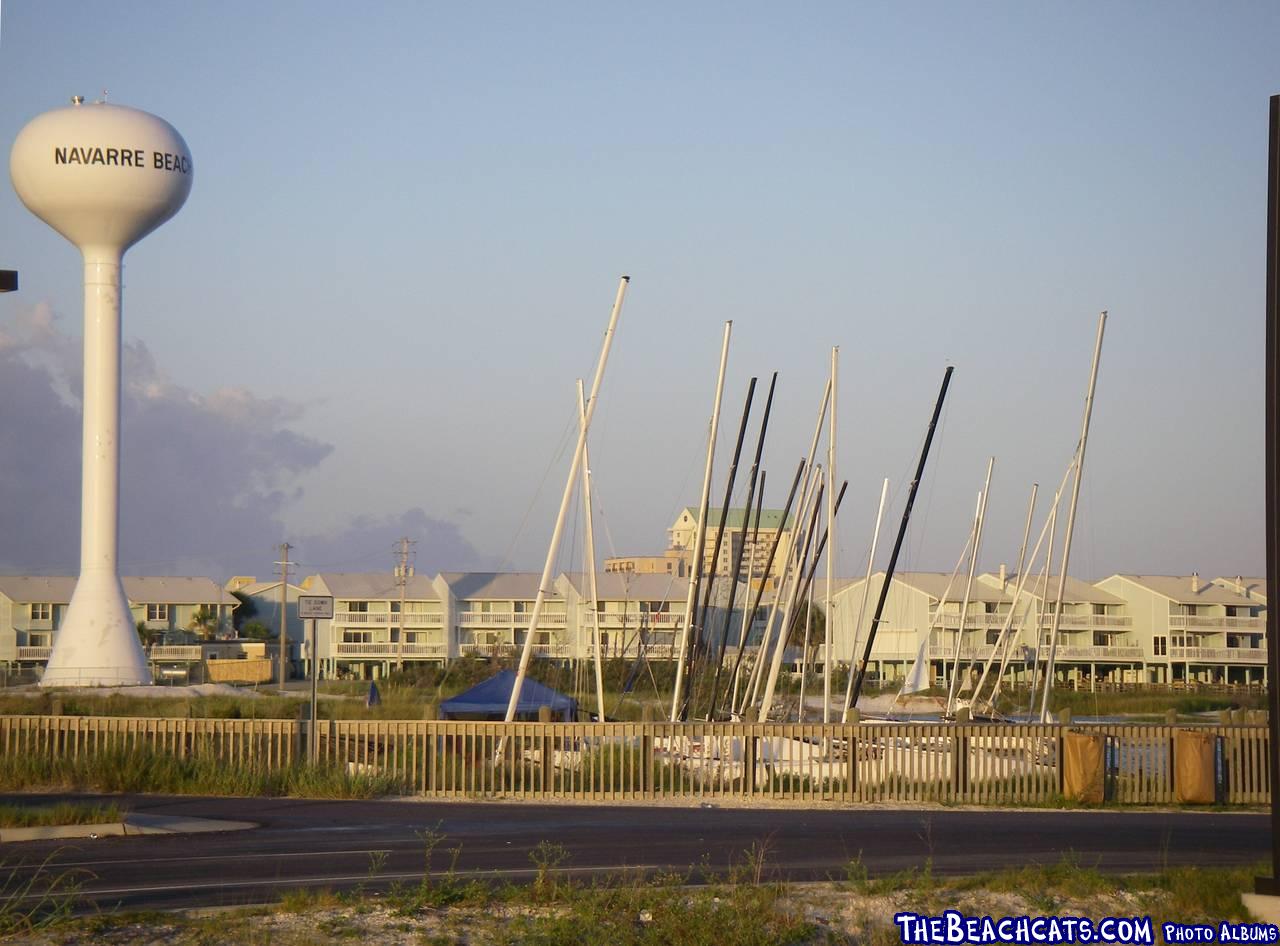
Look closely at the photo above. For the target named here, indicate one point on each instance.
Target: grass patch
(201, 773)
(39, 816)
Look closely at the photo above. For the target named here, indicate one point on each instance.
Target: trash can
(1084, 766)
(1194, 771)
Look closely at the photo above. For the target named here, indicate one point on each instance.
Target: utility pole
(283, 565)
(403, 571)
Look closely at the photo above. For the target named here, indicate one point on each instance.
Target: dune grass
(142, 770)
(63, 813)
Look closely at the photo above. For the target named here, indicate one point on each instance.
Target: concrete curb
(134, 824)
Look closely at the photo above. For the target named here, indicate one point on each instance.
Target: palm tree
(204, 622)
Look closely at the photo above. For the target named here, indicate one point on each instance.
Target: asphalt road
(302, 843)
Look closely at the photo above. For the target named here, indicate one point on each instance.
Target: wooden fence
(803, 763)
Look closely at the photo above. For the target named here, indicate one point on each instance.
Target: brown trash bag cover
(1193, 775)
(1083, 767)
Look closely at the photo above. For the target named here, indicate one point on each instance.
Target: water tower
(104, 176)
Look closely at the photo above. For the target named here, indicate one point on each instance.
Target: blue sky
(408, 220)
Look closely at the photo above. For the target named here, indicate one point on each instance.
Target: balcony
(35, 653)
(1217, 623)
(411, 618)
(539, 650)
(1096, 653)
(176, 652)
(1069, 622)
(509, 619)
(1245, 655)
(388, 651)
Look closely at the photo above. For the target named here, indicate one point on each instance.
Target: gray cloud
(204, 477)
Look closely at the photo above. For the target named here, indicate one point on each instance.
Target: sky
(408, 221)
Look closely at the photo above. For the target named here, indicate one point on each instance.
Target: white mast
(828, 623)
(1071, 515)
(968, 588)
(591, 552)
(866, 593)
(1008, 622)
(797, 578)
(806, 486)
(1040, 601)
(700, 533)
(544, 584)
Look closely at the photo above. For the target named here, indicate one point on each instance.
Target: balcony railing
(1093, 652)
(539, 650)
(1217, 623)
(1249, 655)
(175, 652)
(390, 651)
(509, 619)
(34, 653)
(411, 618)
(1073, 622)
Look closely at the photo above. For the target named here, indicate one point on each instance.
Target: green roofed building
(758, 539)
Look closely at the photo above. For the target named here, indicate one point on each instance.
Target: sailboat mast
(741, 549)
(700, 532)
(749, 617)
(1022, 559)
(980, 515)
(1040, 601)
(902, 534)
(1071, 515)
(789, 560)
(866, 594)
(591, 556)
(797, 590)
(828, 623)
(700, 644)
(544, 584)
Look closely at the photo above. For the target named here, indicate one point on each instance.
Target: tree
(204, 621)
(257, 630)
(248, 609)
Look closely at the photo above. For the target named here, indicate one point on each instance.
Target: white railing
(509, 619)
(1217, 623)
(388, 617)
(1253, 655)
(34, 653)
(391, 651)
(1096, 652)
(175, 652)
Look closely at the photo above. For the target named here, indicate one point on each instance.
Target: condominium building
(1193, 630)
(32, 609)
(754, 542)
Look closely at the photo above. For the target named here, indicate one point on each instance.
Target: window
(360, 607)
(41, 612)
(395, 607)
(356, 637)
(157, 612)
(1159, 646)
(993, 636)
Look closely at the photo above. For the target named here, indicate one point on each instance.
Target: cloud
(204, 477)
(368, 544)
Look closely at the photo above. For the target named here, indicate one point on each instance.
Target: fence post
(301, 748)
(646, 750)
(544, 725)
(960, 755)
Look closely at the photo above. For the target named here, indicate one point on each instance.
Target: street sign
(315, 607)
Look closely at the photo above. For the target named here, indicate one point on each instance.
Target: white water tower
(104, 176)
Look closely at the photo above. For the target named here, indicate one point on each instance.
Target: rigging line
(558, 454)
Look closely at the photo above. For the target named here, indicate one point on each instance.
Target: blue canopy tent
(488, 700)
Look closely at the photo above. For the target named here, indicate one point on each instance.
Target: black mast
(749, 617)
(897, 545)
(742, 547)
(698, 644)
